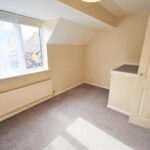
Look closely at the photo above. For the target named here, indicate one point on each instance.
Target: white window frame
(23, 70)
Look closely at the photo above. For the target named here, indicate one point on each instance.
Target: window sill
(9, 76)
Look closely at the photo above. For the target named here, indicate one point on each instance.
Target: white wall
(67, 65)
(114, 47)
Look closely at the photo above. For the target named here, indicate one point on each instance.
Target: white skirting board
(119, 110)
(104, 87)
(55, 94)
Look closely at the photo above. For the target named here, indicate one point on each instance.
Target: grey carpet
(39, 127)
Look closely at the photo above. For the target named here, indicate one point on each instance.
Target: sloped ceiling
(48, 9)
(92, 9)
(125, 7)
(67, 32)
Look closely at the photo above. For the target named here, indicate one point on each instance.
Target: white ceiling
(69, 32)
(126, 7)
(47, 9)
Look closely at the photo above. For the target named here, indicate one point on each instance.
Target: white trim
(16, 18)
(132, 64)
(55, 94)
(123, 73)
(9, 76)
(101, 86)
(119, 110)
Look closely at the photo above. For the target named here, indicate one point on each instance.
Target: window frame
(23, 70)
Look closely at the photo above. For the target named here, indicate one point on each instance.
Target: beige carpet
(75, 120)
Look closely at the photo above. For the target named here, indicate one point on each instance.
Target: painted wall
(67, 65)
(114, 47)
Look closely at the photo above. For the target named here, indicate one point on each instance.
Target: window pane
(20, 50)
(31, 46)
(8, 48)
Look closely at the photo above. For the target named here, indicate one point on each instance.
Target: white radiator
(21, 98)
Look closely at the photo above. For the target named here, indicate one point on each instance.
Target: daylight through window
(21, 49)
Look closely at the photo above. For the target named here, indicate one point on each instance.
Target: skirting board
(55, 94)
(119, 110)
(104, 87)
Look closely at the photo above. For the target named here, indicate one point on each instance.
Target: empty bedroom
(75, 75)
